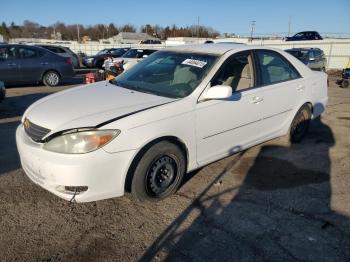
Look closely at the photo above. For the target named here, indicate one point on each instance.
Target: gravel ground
(273, 202)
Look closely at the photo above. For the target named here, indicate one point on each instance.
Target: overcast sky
(231, 16)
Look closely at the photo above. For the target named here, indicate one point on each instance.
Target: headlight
(81, 142)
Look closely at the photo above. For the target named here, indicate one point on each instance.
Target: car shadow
(280, 211)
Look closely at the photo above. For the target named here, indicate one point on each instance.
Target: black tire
(51, 78)
(159, 172)
(345, 83)
(300, 124)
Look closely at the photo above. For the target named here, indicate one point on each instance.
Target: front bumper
(103, 173)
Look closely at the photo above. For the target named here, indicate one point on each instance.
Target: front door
(224, 127)
(9, 65)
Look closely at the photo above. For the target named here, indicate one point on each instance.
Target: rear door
(31, 65)
(9, 65)
(283, 89)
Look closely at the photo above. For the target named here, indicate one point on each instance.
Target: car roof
(218, 49)
(25, 45)
(153, 49)
(303, 49)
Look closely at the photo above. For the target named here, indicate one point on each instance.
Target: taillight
(68, 61)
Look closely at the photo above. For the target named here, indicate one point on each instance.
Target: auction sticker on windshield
(193, 62)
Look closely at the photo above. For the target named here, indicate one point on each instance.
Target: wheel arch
(172, 139)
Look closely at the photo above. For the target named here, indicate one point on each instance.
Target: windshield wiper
(135, 88)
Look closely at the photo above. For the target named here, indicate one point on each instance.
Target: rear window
(300, 54)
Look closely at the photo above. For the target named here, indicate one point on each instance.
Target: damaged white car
(175, 111)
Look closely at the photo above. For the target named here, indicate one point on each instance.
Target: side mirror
(218, 92)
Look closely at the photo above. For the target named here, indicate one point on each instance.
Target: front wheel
(159, 172)
(51, 78)
(300, 124)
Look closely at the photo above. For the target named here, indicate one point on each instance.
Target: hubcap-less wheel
(52, 79)
(158, 171)
(300, 125)
(161, 176)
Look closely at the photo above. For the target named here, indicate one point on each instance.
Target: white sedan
(175, 111)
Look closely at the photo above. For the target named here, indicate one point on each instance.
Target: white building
(130, 38)
(186, 40)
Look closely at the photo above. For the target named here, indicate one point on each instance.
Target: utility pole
(78, 33)
(198, 28)
(107, 28)
(289, 25)
(252, 23)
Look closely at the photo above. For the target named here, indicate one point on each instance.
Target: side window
(148, 52)
(27, 53)
(311, 54)
(60, 50)
(274, 68)
(7, 53)
(237, 72)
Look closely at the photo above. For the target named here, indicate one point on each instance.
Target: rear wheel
(345, 83)
(159, 172)
(300, 124)
(51, 78)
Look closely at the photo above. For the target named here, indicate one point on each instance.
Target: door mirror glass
(218, 92)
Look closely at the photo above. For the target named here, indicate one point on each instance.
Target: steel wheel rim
(161, 176)
(300, 126)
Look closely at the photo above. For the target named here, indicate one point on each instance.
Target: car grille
(34, 131)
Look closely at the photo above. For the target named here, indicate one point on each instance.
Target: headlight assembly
(81, 142)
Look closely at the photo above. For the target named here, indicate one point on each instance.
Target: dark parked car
(31, 64)
(304, 36)
(150, 42)
(65, 52)
(98, 59)
(2, 91)
(314, 58)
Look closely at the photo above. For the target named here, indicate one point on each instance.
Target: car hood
(89, 106)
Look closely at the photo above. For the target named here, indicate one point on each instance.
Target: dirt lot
(272, 202)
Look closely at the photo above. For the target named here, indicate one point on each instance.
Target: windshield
(119, 51)
(300, 54)
(134, 53)
(167, 73)
(103, 51)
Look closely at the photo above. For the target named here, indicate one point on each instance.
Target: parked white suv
(175, 111)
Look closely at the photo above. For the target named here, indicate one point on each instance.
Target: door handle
(256, 100)
(300, 87)
(44, 63)
(11, 64)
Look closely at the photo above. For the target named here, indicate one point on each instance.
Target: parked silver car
(314, 58)
(65, 52)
